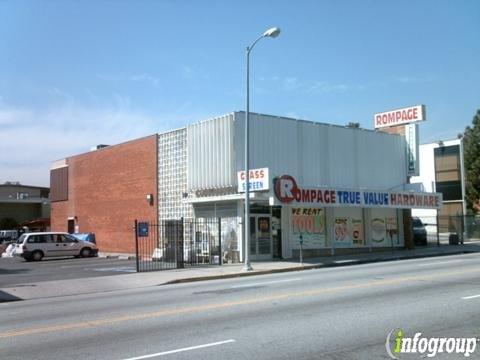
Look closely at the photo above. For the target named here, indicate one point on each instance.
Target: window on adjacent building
(447, 172)
(59, 184)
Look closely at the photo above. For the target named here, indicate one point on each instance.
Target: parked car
(36, 246)
(419, 232)
(8, 235)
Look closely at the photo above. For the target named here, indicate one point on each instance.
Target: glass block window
(172, 175)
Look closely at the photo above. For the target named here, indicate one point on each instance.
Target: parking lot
(16, 271)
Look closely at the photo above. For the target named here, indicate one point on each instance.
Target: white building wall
(315, 154)
(172, 175)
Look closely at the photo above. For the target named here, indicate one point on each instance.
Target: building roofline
(280, 117)
(104, 148)
(443, 141)
(25, 186)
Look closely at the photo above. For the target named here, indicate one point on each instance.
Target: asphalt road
(14, 271)
(333, 313)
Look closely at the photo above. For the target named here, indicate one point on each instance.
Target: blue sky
(78, 73)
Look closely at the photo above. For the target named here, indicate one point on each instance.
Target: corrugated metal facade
(210, 154)
(315, 154)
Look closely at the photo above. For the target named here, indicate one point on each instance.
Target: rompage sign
(400, 116)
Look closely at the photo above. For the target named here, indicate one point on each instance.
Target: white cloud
(139, 77)
(413, 79)
(154, 81)
(291, 84)
(187, 72)
(31, 139)
(326, 87)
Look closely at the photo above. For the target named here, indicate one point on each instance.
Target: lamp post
(273, 33)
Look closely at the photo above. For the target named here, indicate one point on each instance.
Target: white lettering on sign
(258, 180)
(400, 116)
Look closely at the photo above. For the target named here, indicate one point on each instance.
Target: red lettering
(418, 200)
(405, 199)
(309, 223)
(415, 115)
(398, 115)
(431, 200)
(410, 114)
(313, 195)
(332, 197)
(393, 199)
(412, 200)
(399, 199)
(320, 196)
(262, 173)
(305, 195)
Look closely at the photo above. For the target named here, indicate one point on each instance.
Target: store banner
(288, 192)
(342, 232)
(357, 232)
(379, 231)
(308, 225)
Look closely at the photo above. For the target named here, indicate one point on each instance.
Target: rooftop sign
(400, 116)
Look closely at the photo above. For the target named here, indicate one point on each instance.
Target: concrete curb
(116, 256)
(310, 267)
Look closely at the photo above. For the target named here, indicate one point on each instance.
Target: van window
(21, 239)
(40, 239)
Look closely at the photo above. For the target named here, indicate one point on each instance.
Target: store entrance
(260, 237)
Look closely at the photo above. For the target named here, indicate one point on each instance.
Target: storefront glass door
(260, 237)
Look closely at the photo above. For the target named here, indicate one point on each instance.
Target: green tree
(8, 224)
(471, 151)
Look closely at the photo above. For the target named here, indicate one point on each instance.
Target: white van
(35, 246)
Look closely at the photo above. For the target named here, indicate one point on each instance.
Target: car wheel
(85, 252)
(37, 255)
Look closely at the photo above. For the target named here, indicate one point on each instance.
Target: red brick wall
(107, 191)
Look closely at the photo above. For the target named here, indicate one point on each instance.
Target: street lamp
(273, 33)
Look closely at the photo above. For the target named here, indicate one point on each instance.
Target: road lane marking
(264, 283)
(470, 297)
(182, 350)
(229, 304)
(440, 263)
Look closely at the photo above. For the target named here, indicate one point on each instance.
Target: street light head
(273, 32)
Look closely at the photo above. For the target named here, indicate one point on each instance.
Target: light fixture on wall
(150, 199)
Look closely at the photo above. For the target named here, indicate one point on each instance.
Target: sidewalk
(50, 289)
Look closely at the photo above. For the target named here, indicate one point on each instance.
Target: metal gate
(176, 244)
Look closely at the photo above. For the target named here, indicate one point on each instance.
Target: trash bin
(453, 239)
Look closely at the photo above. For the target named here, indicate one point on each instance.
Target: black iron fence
(450, 230)
(176, 244)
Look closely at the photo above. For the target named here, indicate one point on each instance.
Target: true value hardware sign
(288, 192)
(258, 180)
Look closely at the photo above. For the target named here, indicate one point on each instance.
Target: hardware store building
(326, 188)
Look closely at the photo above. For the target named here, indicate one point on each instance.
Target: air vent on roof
(98, 147)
